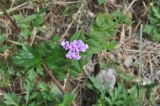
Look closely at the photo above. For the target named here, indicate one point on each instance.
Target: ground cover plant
(79, 53)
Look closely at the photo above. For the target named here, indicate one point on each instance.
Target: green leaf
(5, 47)
(31, 74)
(55, 55)
(156, 11)
(27, 57)
(26, 33)
(2, 38)
(29, 86)
(75, 68)
(104, 20)
(40, 71)
(37, 21)
(100, 2)
(111, 45)
(54, 42)
(96, 82)
(27, 23)
(148, 29)
(78, 35)
(43, 86)
(68, 98)
(11, 99)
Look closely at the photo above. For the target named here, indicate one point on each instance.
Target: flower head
(74, 48)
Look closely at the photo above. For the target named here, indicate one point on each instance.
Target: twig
(140, 49)
(34, 35)
(144, 4)
(14, 42)
(140, 56)
(65, 33)
(65, 81)
(129, 6)
(75, 16)
(14, 8)
(54, 80)
(8, 16)
(122, 36)
(64, 3)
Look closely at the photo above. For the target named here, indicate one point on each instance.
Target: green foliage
(27, 57)
(96, 83)
(100, 2)
(12, 100)
(119, 18)
(68, 98)
(118, 96)
(102, 33)
(153, 27)
(2, 40)
(5, 75)
(40, 95)
(77, 35)
(27, 23)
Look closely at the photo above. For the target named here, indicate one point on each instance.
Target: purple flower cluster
(74, 48)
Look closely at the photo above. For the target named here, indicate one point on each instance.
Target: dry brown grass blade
(125, 12)
(14, 8)
(8, 16)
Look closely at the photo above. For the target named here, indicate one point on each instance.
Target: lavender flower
(65, 45)
(74, 48)
(74, 55)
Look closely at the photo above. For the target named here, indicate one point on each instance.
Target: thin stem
(54, 80)
(140, 50)
(140, 60)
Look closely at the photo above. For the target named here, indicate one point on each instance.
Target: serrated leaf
(11, 99)
(26, 57)
(104, 20)
(43, 86)
(37, 21)
(156, 11)
(148, 28)
(54, 42)
(75, 68)
(58, 53)
(31, 74)
(111, 45)
(68, 98)
(78, 35)
(96, 82)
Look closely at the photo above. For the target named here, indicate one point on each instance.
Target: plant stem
(54, 80)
